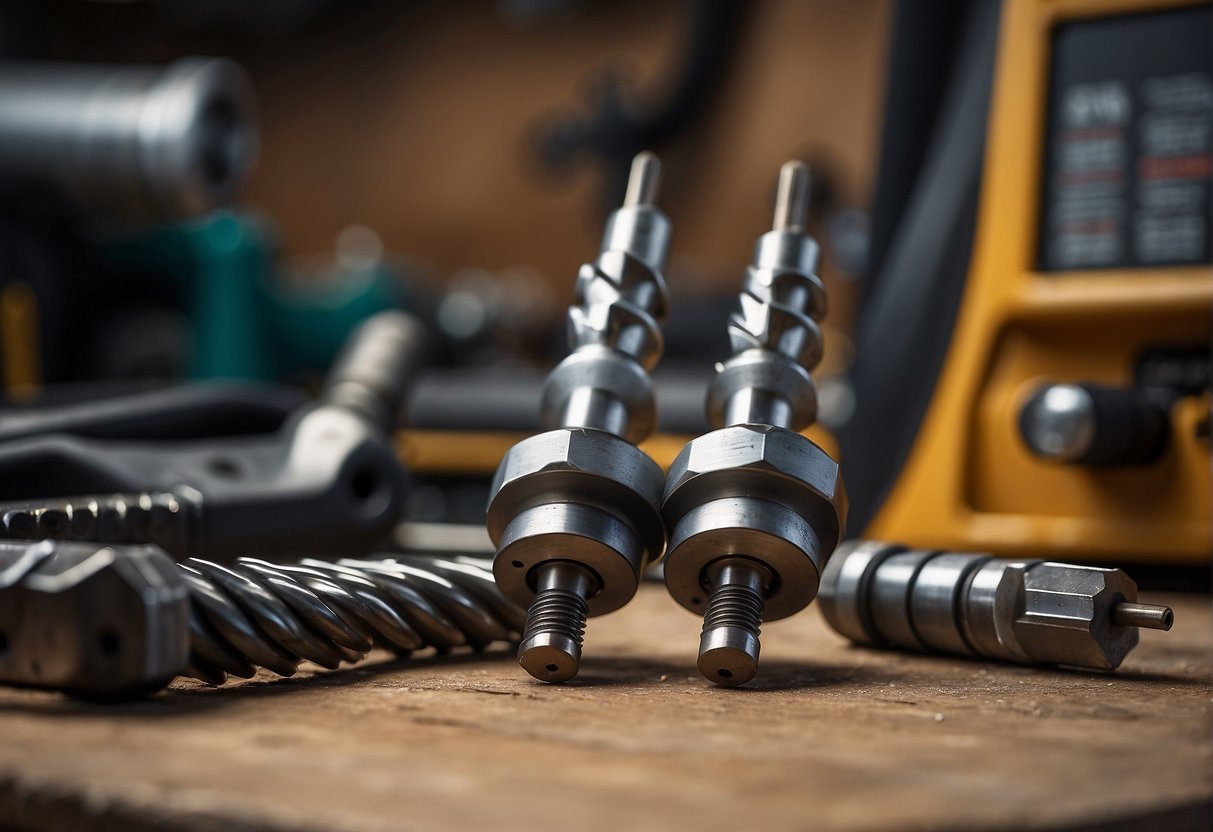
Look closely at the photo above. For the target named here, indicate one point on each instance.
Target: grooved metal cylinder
(574, 512)
(127, 145)
(754, 508)
(1027, 611)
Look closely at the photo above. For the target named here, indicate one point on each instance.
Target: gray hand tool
(122, 621)
(755, 508)
(574, 511)
(127, 145)
(1027, 611)
(328, 482)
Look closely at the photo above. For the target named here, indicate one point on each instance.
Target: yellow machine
(1070, 411)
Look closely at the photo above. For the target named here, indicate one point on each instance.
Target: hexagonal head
(761, 461)
(1067, 616)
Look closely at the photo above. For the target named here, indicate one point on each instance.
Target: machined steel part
(574, 512)
(754, 508)
(118, 621)
(92, 620)
(1027, 611)
(128, 145)
(259, 614)
(328, 482)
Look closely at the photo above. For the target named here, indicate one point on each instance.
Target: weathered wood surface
(829, 737)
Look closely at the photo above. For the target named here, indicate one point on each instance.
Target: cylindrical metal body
(1027, 611)
(127, 145)
(574, 512)
(756, 491)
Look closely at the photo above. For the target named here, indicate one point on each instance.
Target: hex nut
(576, 492)
(750, 489)
(1067, 616)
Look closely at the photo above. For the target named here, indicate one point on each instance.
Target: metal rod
(1150, 616)
(792, 198)
(643, 181)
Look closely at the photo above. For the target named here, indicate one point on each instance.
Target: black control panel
(1129, 148)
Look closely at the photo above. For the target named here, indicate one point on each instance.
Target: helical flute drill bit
(754, 508)
(257, 614)
(120, 621)
(574, 512)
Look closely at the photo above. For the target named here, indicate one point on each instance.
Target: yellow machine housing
(969, 481)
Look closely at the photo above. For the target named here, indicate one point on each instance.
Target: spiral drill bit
(574, 512)
(754, 508)
(257, 614)
(121, 621)
(1026, 611)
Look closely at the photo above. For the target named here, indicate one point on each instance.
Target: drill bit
(754, 508)
(120, 621)
(574, 511)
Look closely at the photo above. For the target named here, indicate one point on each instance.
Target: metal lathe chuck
(574, 512)
(755, 508)
(1027, 611)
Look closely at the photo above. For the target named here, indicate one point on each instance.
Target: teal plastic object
(247, 320)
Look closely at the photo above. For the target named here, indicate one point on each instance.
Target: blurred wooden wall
(417, 119)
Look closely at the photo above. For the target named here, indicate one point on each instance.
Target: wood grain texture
(828, 737)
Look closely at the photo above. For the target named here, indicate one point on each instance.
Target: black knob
(1087, 424)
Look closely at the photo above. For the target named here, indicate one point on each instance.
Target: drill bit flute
(755, 508)
(574, 512)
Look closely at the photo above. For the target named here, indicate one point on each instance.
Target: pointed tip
(792, 198)
(644, 180)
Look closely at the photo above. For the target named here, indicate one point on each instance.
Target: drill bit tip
(792, 197)
(643, 180)
(1150, 616)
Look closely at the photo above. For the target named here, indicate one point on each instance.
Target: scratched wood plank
(829, 737)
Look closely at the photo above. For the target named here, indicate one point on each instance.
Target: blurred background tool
(1032, 372)
(1033, 611)
(122, 621)
(575, 512)
(125, 145)
(753, 508)
(326, 481)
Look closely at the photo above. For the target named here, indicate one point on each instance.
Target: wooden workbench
(827, 737)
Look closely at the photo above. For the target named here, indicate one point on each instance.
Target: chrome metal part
(128, 145)
(1027, 611)
(754, 508)
(92, 620)
(122, 621)
(258, 614)
(574, 513)
(1091, 424)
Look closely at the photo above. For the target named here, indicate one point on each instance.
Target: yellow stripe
(20, 361)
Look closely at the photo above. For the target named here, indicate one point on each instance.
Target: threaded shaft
(729, 644)
(555, 623)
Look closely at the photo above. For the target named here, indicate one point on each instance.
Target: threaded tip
(551, 641)
(728, 647)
